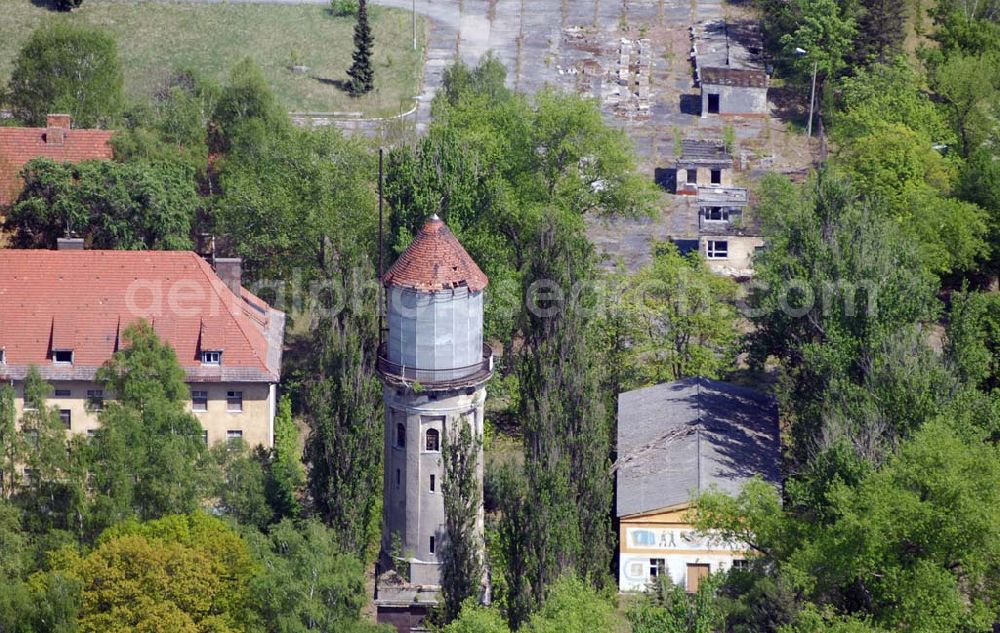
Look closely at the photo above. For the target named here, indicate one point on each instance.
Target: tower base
(404, 605)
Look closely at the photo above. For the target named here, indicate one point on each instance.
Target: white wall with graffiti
(650, 551)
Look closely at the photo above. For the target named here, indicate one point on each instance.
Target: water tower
(434, 367)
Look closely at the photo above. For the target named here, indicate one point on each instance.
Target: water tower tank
(434, 304)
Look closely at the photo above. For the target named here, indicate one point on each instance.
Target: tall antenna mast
(380, 293)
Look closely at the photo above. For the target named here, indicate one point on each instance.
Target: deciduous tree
(67, 68)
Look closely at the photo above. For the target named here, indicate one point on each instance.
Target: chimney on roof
(230, 271)
(69, 244)
(56, 126)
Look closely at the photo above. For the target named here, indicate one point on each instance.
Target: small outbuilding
(676, 440)
(703, 163)
(733, 91)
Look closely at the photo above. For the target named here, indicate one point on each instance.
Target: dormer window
(211, 358)
(62, 356)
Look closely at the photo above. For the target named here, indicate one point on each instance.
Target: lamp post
(812, 93)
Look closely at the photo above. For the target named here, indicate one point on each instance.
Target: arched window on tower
(400, 435)
(433, 442)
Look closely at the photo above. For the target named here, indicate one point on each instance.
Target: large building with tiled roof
(57, 140)
(64, 312)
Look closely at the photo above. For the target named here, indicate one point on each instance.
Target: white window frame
(713, 250)
(232, 434)
(211, 357)
(230, 396)
(68, 422)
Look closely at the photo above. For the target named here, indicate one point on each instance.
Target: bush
(344, 8)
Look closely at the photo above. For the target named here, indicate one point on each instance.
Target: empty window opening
(692, 176)
(234, 401)
(433, 482)
(400, 435)
(199, 401)
(433, 443)
(397, 478)
(432, 545)
(63, 393)
(717, 249)
(713, 103)
(66, 417)
(95, 399)
(716, 176)
(716, 214)
(62, 356)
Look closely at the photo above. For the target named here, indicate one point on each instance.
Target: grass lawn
(155, 37)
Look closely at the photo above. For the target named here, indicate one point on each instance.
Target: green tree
(881, 29)
(572, 606)
(53, 493)
(241, 485)
(567, 497)
(898, 527)
(826, 32)
(462, 570)
(308, 583)
(299, 202)
(475, 618)
(246, 107)
(147, 451)
(839, 292)
(67, 68)
(680, 320)
(11, 444)
(287, 474)
(973, 341)
(179, 573)
(127, 206)
(969, 86)
(361, 72)
(344, 447)
(667, 608)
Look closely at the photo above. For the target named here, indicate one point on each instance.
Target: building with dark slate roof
(675, 441)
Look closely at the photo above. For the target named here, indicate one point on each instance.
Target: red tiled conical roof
(435, 260)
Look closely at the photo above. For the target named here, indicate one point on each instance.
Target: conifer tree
(361, 72)
(461, 552)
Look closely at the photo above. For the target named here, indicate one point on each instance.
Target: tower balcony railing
(449, 378)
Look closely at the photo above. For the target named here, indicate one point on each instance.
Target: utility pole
(414, 24)
(812, 100)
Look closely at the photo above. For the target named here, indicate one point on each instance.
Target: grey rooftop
(681, 438)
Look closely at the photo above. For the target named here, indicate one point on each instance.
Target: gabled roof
(18, 145)
(435, 260)
(83, 301)
(684, 437)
